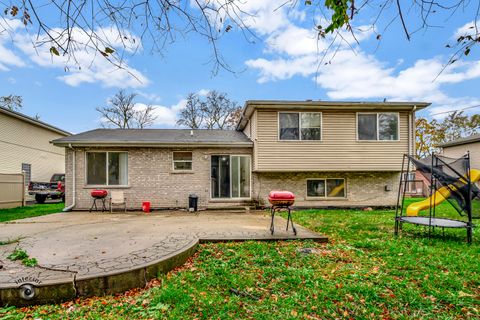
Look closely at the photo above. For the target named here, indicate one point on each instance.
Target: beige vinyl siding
(460, 150)
(11, 190)
(338, 150)
(23, 142)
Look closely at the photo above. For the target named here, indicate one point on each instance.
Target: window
(107, 168)
(326, 188)
(230, 176)
(182, 161)
(27, 171)
(377, 126)
(299, 125)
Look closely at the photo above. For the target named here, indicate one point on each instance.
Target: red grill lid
(99, 193)
(281, 195)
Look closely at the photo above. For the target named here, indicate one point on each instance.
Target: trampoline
(452, 181)
(434, 222)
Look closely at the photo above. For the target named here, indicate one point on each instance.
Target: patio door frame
(230, 198)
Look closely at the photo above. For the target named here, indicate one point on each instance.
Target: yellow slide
(441, 195)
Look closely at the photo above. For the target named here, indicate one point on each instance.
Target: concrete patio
(85, 254)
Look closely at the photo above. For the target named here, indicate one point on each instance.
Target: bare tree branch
(122, 112)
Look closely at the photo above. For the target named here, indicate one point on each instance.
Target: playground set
(451, 180)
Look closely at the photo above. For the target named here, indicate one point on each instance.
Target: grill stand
(289, 218)
(94, 204)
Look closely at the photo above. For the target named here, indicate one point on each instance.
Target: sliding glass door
(230, 176)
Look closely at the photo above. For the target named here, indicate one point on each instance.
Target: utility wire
(471, 107)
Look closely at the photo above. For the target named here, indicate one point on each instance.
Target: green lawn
(363, 272)
(30, 211)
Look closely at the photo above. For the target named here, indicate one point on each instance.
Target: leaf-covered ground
(363, 272)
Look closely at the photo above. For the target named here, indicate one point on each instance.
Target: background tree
(431, 133)
(192, 116)
(214, 111)
(66, 25)
(122, 112)
(11, 102)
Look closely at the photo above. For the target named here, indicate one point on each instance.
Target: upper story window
(182, 160)
(377, 126)
(300, 125)
(107, 168)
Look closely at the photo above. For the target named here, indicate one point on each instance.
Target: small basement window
(182, 160)
(326, 188)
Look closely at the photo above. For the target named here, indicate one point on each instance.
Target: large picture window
(377, 126)
(230, 176)
(326, 188)
(107, 168)
(300, 125)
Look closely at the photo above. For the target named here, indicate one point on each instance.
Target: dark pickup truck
(55, 189)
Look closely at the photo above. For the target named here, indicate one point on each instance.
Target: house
(25, 146)
(457, 148)
(341, 154)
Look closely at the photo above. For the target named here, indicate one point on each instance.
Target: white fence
(12, 190)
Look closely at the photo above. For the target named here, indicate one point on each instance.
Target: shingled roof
(470, 139)
(156, 137)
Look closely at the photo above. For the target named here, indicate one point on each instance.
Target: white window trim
(378, 131)
(300, 126)
(173, 162)
(326, 197)
(106, 168)
(230, 198)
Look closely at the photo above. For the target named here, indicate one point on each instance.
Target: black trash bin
(193, 202)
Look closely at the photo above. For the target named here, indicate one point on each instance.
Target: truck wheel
(40, 198)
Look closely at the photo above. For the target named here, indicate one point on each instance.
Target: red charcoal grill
(98, 195)
(281, 200)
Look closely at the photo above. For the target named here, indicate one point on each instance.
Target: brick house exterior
(335, 168)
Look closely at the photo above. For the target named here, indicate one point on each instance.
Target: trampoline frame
(433, 221)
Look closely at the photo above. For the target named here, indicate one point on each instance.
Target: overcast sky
(283, 62)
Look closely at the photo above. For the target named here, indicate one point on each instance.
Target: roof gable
(33, 121)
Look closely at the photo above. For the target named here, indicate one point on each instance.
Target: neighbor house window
(27, 171)
(326, 188)
(107, 168)
(230, 176)
(377, 126)
(299, 125)
(182, 160)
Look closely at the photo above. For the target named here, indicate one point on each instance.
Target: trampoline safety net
(452, 179)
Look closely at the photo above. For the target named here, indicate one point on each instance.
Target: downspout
(70, 207)
(412, 131)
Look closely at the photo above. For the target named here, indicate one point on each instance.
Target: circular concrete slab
(84, 254)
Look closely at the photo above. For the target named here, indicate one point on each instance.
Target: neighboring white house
(457, 148)
(25, 146)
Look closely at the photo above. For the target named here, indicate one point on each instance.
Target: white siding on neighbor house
(458, 151)
(339, 149)
(23, 142)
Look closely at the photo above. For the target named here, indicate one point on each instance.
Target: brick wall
(151, 178)
(362, 188)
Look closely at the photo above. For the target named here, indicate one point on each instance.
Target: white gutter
(70, 207)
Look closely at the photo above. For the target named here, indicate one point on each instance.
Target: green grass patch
(30, 211)
(22, 255)
(364, 272)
